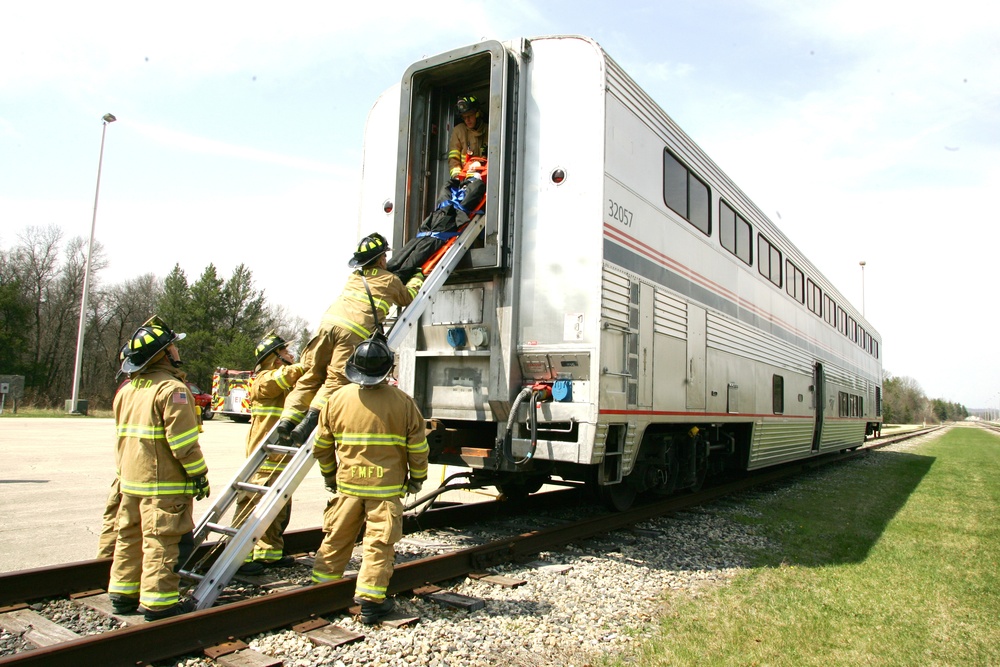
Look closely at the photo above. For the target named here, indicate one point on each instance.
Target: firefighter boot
(169, 612)
(301, 432)
(372, 612)
(124, 604)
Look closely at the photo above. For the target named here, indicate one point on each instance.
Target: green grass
(50, 412)
(888, 561)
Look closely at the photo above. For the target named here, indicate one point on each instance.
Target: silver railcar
(629, 317)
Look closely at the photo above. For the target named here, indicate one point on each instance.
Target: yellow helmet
(152, 337)
(371, 248)
(271, 342)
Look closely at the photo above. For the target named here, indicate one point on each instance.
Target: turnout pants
(146, 553)
(341, 523)
(324, 362)
(272, 544)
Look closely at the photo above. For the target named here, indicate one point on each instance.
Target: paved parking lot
(55, 478)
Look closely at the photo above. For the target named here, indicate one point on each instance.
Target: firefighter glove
(201, 487)
(301, 432)
(330, 481)
(414, 485)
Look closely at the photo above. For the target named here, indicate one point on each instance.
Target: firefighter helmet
(467, 104)
(271, 342)
(371, 248)
(152, 337)
(370, 363)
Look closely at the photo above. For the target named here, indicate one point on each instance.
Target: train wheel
(617, 497)
(520, 490)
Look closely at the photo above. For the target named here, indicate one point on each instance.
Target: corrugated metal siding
(669, 315)
(842, 378)
(742, 340)
(839, 434)
(777, 442)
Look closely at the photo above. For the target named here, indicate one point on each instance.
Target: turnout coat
(157, 451)
(373, 438)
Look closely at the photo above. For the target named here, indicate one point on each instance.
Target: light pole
(74, 405)
(862, 263)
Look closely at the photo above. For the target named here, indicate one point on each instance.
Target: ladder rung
(228, 530)
(191, 575)
(281, 449)
(252, 487)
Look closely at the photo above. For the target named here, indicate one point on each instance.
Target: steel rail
(87, 575)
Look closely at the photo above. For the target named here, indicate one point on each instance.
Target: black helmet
(371, 248)
(152, 337)
(271, 342)
(370, 363)
(467, 104)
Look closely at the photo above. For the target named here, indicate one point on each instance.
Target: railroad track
(215, 631)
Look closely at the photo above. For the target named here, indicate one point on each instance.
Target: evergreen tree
(174, 303)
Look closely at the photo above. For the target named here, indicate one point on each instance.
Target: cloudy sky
(867, 129)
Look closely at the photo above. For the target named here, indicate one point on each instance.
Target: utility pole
(74, 405)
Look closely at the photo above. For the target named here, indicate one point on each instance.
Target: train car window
(685, 193)
(734, 233)
(842, 319)
(852, 330)
(768, 260)
(814, 297)
(795, 282)
(778, 394)
(830, 310)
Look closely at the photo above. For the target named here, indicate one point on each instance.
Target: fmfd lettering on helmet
(365, 472)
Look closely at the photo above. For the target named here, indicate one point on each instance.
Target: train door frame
(645, 347)
(697, 337)
(819, 401)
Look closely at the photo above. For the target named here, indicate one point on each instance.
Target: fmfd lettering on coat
(367, 471)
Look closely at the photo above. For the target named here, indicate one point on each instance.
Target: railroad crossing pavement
(56, 474)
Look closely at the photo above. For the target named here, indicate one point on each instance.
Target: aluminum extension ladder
(239, 542)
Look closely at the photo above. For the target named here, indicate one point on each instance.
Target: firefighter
(347, 322)
(372, 450)
(468, 138)
(161, 470)
(275, 375)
